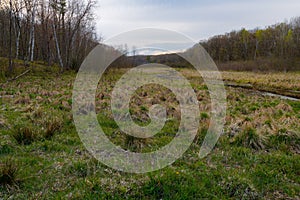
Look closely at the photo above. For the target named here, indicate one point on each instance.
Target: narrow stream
(280, 96)
(264, 93)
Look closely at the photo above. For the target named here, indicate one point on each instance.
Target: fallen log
(19, 76)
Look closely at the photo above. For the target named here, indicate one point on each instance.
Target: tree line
(279, 42)
(274, 48)
(53, 31)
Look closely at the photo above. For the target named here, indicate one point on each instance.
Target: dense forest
(52, 31)
(275, 47)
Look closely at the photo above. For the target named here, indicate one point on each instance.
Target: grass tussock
(286, 141)
(134, 144)
(249, 138)
(8, 172)
(38, 113)
(51, 126)
(24, 134)
(240, 189)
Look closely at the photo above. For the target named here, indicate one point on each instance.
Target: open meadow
(257, 156)
(149, 100)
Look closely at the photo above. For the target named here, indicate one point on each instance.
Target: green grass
(295, 105)
(42, 157)
(8, 173)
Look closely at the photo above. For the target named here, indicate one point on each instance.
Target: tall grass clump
(249, 138)
(51, 126)
(24, 134)
(8, 172)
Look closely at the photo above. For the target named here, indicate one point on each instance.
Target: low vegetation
(8, 173)
(42, 156)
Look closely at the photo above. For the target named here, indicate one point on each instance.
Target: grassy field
(42, 157)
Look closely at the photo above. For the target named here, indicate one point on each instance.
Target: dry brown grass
(280, 81)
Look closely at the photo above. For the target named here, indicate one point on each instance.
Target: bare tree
(32, 31)
(56, 38)
(60, 31)
(10, 67)
(18, 7)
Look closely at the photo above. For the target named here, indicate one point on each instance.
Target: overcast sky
(198, 19)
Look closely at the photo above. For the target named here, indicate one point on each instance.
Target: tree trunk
(32, 32)
(256, 50)
(58, 49)
(10, 67)
(18, 44)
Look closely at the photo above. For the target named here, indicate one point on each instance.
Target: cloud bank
(199, 20)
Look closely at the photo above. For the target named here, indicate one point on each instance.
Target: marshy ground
(42, 157)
